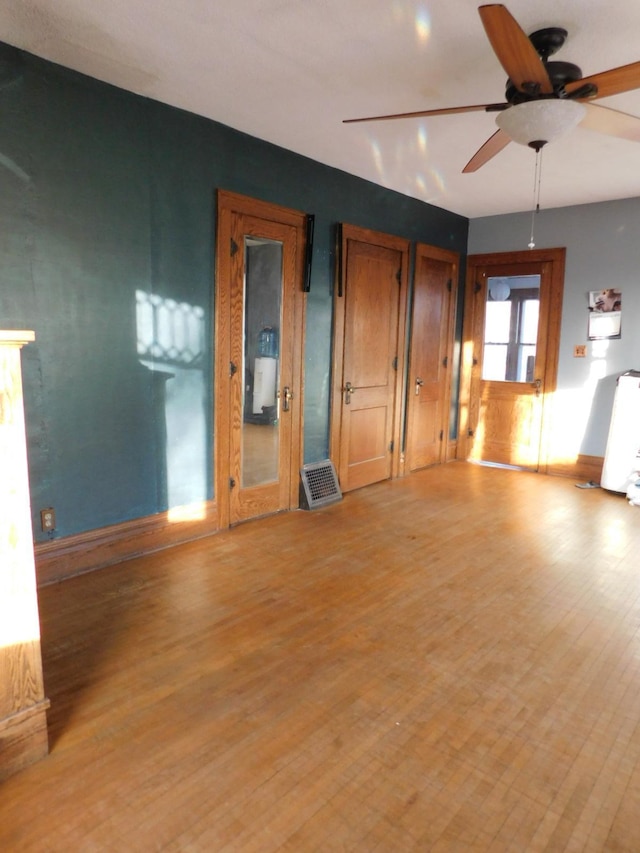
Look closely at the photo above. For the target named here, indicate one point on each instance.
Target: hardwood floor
(260, 447)
(449, 662)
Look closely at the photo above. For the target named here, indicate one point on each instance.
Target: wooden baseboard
(583, 468)
(23, 739)
(95, 549)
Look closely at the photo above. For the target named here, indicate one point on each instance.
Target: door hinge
(394, 363)
(441, 435)
(232, 483)
(399, 276)
(470, 433)
(445, 361)
(391, 447)
(477, 288)
(234, 247)
(232, 368)
(450, 285)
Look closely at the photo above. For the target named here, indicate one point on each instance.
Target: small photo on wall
(605, 314)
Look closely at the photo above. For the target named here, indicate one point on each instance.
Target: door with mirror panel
(259, 323)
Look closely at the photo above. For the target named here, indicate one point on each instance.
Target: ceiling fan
(544, 99)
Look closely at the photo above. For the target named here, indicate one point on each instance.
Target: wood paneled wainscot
(23, 721)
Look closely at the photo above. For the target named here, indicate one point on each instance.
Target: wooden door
(369, 334)
(432, 332)
(259, 338)
(510, 356)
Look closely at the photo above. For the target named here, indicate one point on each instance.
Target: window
(511, 328)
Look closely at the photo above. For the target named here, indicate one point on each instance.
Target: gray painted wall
(603, 250)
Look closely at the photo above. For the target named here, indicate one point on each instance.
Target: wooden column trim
(23, 723)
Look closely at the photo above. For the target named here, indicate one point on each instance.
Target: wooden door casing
(431, 356)
(368, 353)
(250, 501)
(501, 421)
(239, 215)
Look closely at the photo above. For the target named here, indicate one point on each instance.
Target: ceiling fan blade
(492, 146)
(517, 55)
(446, 111)
(612, 122)
(612, 82)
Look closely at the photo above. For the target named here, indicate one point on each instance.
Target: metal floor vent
(319, 485)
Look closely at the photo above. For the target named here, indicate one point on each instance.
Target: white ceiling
(289, 71)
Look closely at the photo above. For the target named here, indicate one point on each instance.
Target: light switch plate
(580, 351)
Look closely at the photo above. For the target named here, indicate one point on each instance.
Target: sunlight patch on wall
(570, 414)
(168, 331)
(171, 343)
(599, 351)
(190, 512)
(572, 408)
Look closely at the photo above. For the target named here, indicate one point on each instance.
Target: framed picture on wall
(605, 314)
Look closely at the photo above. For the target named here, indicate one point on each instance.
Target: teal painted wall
(107, 214)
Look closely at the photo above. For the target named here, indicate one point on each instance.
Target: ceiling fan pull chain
(537, 180)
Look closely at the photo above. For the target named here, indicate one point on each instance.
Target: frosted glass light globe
(540, 121)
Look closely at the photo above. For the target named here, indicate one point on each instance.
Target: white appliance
(264, 383)
(622, 457)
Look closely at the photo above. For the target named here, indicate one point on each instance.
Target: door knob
(288, 396)
(348, 391)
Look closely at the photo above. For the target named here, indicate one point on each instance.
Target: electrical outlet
(580, 351)
(48, 519)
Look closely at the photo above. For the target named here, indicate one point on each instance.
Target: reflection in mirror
(262, 322)
(511, 328)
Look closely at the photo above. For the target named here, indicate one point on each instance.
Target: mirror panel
(262, 322)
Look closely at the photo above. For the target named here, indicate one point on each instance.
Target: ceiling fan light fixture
(535, 123)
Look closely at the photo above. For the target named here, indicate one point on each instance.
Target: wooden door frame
(388, 241)
(450, 257)
(229, 203)
(555, 259)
